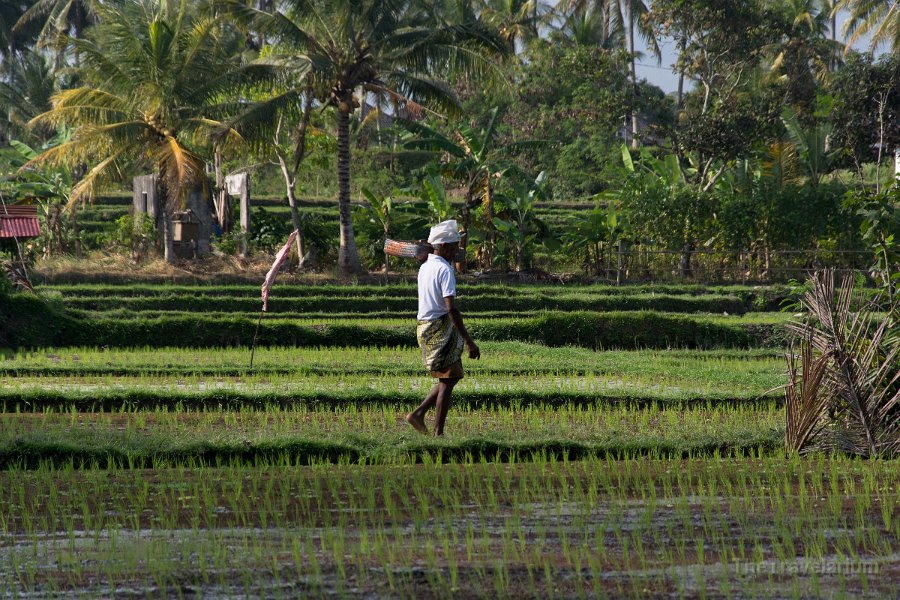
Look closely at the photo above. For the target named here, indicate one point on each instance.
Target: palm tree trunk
(168, 244)
(681, 50)
(634, 116)
(348, 256)
(833, 61)
(75, 238)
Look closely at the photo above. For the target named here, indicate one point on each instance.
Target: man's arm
(456, 317)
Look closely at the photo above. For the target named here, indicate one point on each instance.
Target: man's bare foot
(417, 423)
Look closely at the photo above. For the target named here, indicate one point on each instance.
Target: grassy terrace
(147, 405)
(510, 372)
(377, 434)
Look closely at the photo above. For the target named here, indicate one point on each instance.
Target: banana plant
(470, 156)
(595, 233)
(812, 145)
(435, 196)
(51, 188)
(661, 190)
(471, 159)
(517, 219)
(380, 210)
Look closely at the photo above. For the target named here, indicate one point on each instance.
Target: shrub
(135, 234)
(30, 321)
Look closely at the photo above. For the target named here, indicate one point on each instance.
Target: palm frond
(86, 188)
(180, 169)
(862, 369)
(423, 90)
(428, 138)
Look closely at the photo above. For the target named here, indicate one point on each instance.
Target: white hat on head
(444, 233)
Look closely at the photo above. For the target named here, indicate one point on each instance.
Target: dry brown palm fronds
(17, 276)
(805, 399)
(858, 385)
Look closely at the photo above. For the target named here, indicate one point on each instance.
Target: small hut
(19, 222)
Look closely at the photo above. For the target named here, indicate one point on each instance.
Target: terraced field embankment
(611, 442)
(601, 317)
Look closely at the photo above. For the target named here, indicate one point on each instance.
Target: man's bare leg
(417, 417)
(442, 404)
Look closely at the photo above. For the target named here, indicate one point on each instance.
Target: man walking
(441, 332)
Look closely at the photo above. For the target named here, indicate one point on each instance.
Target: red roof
(19, 221)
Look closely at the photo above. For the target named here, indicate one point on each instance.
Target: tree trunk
(290, 186)
(168, 244)
(833, 61)
(263, 6)
(348, 256)
(492, 237)
(620, 262)
(684, 265)
(387, 258)
(681, 50)
(76, 241)
(635, 143)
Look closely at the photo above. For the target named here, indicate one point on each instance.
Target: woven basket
(418, 250)
(403, 249)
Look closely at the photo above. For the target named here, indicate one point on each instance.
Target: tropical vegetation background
(362, 119)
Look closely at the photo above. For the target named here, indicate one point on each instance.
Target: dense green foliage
(776, 120)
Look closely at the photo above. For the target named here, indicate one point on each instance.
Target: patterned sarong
(440, 342)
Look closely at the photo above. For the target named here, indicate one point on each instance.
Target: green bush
(135, 234)
(229, 243)
(29, 321)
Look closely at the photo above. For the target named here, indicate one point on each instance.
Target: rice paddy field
(612, 442)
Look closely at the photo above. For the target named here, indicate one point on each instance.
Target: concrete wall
(145, 199)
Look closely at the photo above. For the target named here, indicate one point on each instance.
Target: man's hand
(474, 350)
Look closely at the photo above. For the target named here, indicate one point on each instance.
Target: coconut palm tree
(805, 55)
(157, 79)
(593, 28)
(518, 21)
(26, 95)
(57, 18)
(13, 44)
(878, 18)
(633, 17)
(396, 50)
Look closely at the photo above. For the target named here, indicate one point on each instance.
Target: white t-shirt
(436, 282)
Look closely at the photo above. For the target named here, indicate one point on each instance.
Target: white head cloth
(444, 233)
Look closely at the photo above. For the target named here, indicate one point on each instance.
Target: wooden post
(238, 184)
(620, 266)
(245, 216)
